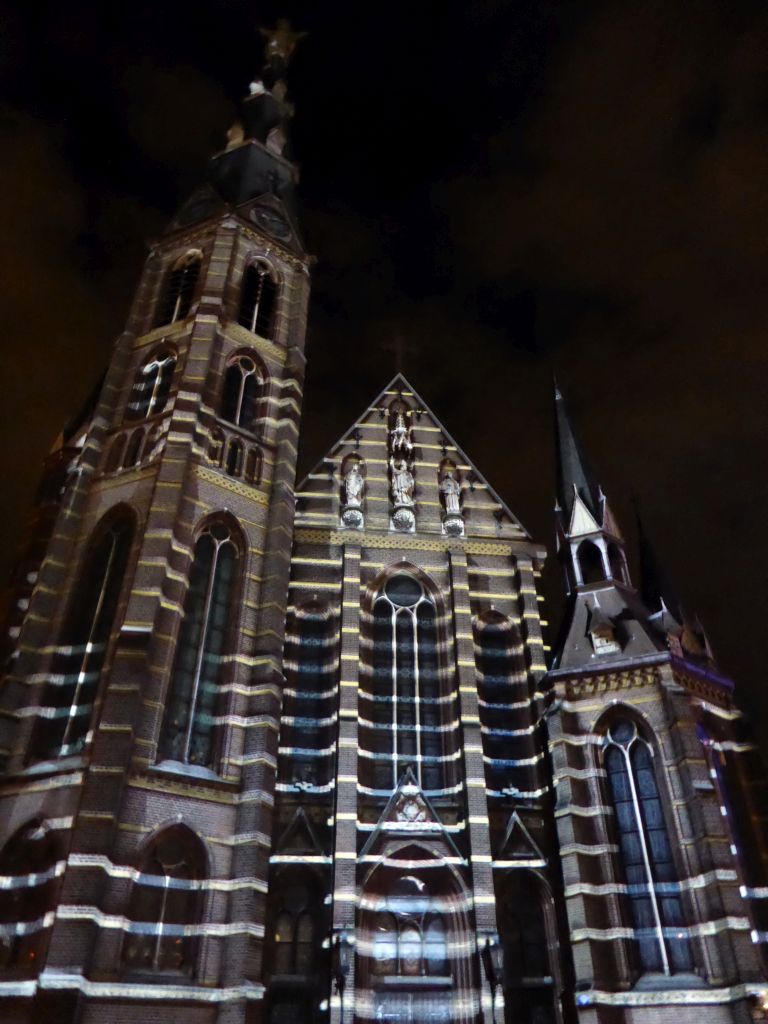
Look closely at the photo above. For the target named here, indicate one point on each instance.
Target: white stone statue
(450, 488)
(353, 486)
(400, 437)
(402, 482)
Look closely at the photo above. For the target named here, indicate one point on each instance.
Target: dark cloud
(498, 188)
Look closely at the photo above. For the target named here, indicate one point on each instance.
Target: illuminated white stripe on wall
(55, 980)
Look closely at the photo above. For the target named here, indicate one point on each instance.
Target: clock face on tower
(271, 221)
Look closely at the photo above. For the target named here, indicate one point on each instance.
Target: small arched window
(179, 288)
(165, 904)
(195, 690)
(27, 896)
(152, 385)
(253, 466)
(234, 461)
(243, 387)
(116, 453)
(590, 562)
(645, 851)
(69, 697)
(257, 304)
(216, 447)
(133, 451)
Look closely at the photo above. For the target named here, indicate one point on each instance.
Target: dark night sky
(509, 188)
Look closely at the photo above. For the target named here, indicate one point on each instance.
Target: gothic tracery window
(195, 691)
(27, 896)
(69, 697)
(243, 388)
(152, 385)
(165, 904)
(645, 851)
(258, 300)
(179, 290)
(405, 709)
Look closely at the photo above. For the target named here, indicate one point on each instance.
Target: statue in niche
(353, 486)
(450, 488)
(402, 482)
(400, 437)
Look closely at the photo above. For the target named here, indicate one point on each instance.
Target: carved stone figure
(402, 482)
(353, 486)
(450, 488)
(400, 438)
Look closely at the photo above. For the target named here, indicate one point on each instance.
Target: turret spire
(573, 474)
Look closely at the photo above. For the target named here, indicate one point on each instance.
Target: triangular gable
(486, 513)
(610, 525)
(203, 203)
(269, 214)
(299, 837)
(408, 814)
(582, 520)
(518, 845)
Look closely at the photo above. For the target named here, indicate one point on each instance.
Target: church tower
(139, 718)
(279, 756)
(659, 797)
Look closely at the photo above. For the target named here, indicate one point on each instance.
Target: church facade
(275, 753)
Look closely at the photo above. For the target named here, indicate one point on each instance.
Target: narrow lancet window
(646, 854)
(195, 692)
(69, 697)
(257, 305)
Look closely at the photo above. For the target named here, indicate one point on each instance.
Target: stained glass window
(646, 855)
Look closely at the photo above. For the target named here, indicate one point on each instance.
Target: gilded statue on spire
(280, 42)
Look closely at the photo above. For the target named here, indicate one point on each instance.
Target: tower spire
(573, 474)
(257, 159)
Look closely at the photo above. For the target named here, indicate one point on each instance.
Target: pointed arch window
(69, 697)
(645, 851)
(179, 289)
(295, 931)
(404, 713)
(529, 971)
(244, 383)
(505, 722)
(258, 300)
(591, 564)
(27, 896)
(152, 385)
(165, 904)
(307, 726)
(195, 697)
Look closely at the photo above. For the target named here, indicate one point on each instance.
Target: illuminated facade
(275, 754)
